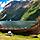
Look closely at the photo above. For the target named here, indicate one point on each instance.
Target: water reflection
(17, 24)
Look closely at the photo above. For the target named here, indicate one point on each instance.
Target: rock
(34, 36)
(38, 35)
(10, 33)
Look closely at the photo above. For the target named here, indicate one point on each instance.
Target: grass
(17, 37)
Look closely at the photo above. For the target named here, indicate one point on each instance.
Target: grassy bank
(17, 37)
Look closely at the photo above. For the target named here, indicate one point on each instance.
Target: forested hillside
(33, 12)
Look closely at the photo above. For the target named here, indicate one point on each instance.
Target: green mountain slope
(33, 10)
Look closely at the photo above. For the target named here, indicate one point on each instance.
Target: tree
(32, 10)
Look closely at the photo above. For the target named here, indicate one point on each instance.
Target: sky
(5, 2)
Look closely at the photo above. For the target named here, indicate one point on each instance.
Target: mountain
(32, 13)
(14, 10)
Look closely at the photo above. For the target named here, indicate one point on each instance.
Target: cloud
(24, 0)
(1, 10)
(17, 0)
(0, 3)
(3, 4)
